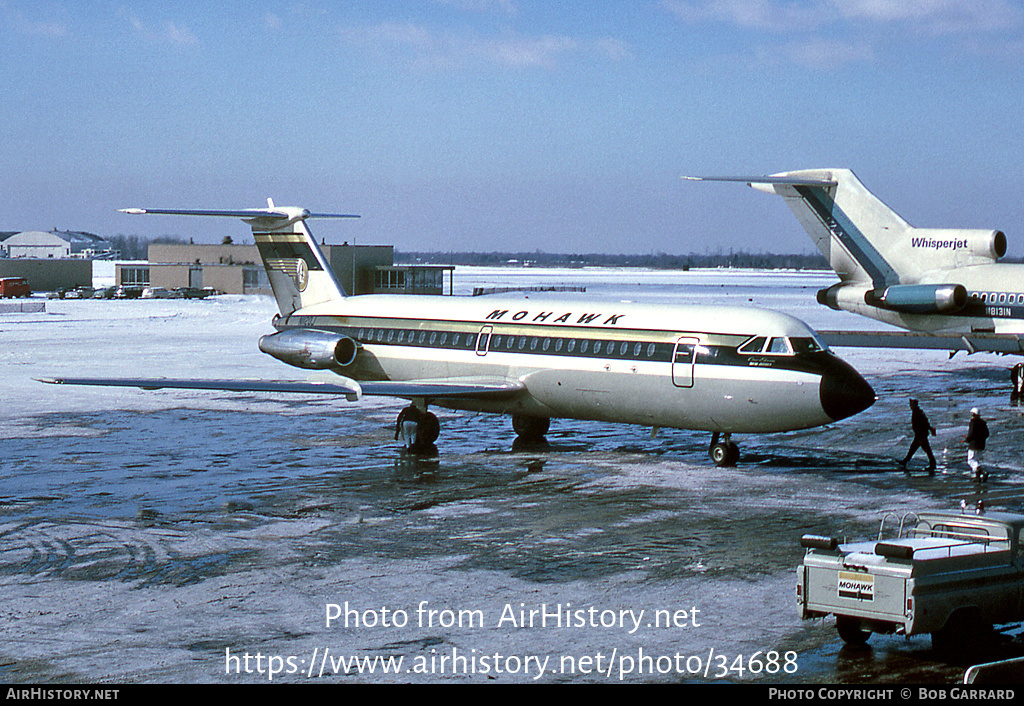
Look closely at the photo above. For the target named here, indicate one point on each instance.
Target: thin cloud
(937, 17)
(829, 33)
(502, 7)
(427, 47)
(930, 17)
(822, 54)
(760, 15)
(46, 29)
(272, 21)
(168, 32)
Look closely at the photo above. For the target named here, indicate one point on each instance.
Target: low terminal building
(238, 269)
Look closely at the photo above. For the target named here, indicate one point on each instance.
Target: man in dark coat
(919, 423)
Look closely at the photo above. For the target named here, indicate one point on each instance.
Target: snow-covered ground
(153, 535)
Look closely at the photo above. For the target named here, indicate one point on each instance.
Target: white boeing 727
(944, 286)
(725, 370)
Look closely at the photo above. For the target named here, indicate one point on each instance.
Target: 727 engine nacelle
(920, 298)
(310, 349)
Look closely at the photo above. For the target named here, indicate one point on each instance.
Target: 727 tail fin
(298, 271)
(864, 240)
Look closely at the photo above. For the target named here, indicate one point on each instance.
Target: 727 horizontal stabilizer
(977, 342)
(780, 180)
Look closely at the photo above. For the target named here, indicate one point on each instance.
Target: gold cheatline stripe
(281, 237)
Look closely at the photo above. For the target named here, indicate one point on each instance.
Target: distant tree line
(134, 247)
(659, 261)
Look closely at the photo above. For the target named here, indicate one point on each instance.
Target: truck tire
(850, 631)
(964, 630)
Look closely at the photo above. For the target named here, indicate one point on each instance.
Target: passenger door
(684, 356)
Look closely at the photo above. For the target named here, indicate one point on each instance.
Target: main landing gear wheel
(429, 429)
(530, 430)
(724, 453)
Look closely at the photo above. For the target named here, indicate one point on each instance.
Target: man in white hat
(977, 433)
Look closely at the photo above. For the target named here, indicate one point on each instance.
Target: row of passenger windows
(997, 298)
(525, 344)
(635, 350)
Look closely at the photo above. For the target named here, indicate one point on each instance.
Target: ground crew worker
(407, 426)
(1017, 378)
(977, 433)
(921, 427)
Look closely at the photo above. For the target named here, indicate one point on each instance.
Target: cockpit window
(754, 345)
(779, 345)
(805, 345)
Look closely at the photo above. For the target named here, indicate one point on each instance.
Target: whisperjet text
(938, 244)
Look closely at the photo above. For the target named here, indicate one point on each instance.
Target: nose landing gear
(724, 453)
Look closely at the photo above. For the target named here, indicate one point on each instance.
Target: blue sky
(509, 124)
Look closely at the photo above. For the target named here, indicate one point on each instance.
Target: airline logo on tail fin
(296, 269)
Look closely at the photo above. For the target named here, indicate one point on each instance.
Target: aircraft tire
(725, 454)
(429, 429)
(530, 428)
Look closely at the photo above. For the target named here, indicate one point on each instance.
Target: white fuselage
(683, 367)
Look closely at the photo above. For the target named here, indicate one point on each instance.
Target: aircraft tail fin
(864, 240)
(299, 273)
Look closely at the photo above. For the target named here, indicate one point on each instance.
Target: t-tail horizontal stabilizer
(299, 273)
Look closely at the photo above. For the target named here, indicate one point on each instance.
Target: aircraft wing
(351, 389)
(1006, 343)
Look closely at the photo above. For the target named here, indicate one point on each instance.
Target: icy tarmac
(176, 536)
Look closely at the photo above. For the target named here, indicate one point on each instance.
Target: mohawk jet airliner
(725, 370)
(945, 287)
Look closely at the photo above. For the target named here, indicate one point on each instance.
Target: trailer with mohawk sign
(953, 575)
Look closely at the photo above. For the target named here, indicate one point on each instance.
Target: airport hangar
(50, 260)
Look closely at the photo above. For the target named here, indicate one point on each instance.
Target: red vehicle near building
(14, 287)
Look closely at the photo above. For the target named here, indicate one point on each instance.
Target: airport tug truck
(951, 575)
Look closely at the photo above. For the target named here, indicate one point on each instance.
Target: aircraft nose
(843, 391)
